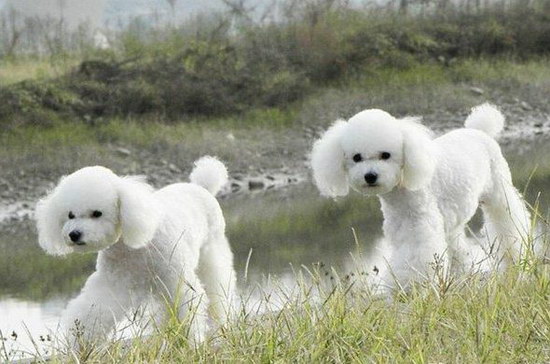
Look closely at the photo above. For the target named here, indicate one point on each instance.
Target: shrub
(231, 70)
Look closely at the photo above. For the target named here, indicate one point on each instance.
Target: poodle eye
(71, 215)
(357, 158)
(385, 155)
(97, 214)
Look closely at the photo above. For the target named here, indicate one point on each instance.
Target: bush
(228, 71)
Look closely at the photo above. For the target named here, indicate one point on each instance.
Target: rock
(235, 187)
(477, 91)
(123, 152)
(538, 125)
(269, 177)
(173, 168)
(525, 106)
(256, 184)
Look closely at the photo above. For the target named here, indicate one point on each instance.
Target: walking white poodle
(156, 248)
(429, 188)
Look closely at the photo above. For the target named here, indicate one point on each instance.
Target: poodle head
(93, 209)
(373, 153)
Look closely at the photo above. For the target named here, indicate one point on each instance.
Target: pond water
(276, 232)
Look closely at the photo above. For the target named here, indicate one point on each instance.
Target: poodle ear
(327, 162)
(419, 159)
(49, 225)
(139, 211)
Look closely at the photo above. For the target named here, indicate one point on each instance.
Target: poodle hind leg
(507, 223)
(218, 276)
(182, 297)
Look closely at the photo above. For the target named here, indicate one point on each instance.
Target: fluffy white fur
(429, 188)
(155, 247)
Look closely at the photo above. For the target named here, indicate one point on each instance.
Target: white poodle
(154, 246)
(429, 188)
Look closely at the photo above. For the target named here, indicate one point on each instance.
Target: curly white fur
(153, 245)
(429, 188)
(487, 118)
(209, 173)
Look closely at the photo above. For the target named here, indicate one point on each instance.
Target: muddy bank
(260, 160)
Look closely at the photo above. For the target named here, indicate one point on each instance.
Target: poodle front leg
(414, 227)
(408, 266)
(466, 254)
(419, 253)
(93, 314)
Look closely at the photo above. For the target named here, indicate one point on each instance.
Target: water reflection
(26, 326)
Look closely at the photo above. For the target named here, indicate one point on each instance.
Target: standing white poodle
(153, 245)
(429, 188)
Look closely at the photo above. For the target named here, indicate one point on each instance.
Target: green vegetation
(35, 68)
(496, 318)
(176, 74)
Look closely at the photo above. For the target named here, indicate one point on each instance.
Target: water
(280, 230)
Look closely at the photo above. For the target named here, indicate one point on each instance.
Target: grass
(65, 146)
(423, 88)
(37, 68)
(534, 71)
(138, 132)
(496, 318)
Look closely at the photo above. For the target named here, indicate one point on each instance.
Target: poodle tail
(210, 174)
(487, 118)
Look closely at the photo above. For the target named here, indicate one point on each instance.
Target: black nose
(75, 235)
(371, 178)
